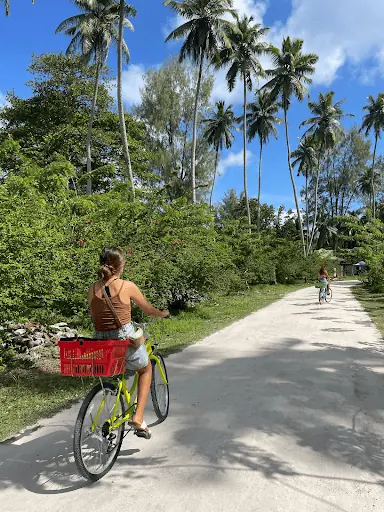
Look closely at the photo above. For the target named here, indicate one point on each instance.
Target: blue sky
(347, 36)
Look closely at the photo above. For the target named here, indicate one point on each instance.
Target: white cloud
(338, 31)
(233, 160)
(250, 8)
(133, 81)
(2, 100)
(220, 90)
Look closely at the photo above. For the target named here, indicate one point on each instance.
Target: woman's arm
(144, 305)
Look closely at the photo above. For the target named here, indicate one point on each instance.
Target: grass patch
(30, 394)
(373, 303)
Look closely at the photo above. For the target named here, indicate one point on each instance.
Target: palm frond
(181, 31)
(93, 31)
(70, 23)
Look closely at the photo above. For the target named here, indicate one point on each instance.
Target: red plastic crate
(92, 358)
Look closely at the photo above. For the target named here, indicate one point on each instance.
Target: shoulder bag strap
(110, 305)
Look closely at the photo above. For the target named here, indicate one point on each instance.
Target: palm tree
(374, 120)
(218, 133)
(262, 121)
(305, 156)
(326, 128)
(125, 10)
(203, 34)
(364, 184)
(92, 33)
(244, 47)
(8, 7)
(292, 70)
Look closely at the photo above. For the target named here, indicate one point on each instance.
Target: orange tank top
(102, 316)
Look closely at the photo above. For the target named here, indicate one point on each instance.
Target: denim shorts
(136, 359)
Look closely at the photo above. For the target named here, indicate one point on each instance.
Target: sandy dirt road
(280, 412)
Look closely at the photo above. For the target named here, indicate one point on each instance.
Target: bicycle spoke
(97, 445)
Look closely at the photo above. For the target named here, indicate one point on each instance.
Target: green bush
(375, 276)
(50, 240)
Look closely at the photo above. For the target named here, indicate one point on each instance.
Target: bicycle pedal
(145, 434)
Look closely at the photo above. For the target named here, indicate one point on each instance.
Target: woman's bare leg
(144, 386)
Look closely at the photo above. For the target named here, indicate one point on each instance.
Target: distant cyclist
(112, 321)
(324, 277)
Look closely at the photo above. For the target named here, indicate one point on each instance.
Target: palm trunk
(373, 180)
(194, 136)
(245, 155)
(90, 125)
(316, 201)
(259, 190)
(293, 182)
(307, 209)
(120, 104)
(214, 176)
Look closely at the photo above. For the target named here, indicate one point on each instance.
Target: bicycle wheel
(96, 451)
(159, 389)
(328, 298)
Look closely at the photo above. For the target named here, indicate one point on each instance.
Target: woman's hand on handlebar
(165, 314)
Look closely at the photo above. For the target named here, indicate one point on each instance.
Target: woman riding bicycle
(107, 326)
(324, 277)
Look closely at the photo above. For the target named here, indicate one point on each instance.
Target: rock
(31, 325)
(66, 333)
(59, 326)
(35, 343)
(18, 340)
(20, 332)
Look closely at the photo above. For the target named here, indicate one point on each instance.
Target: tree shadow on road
(45, 465)
(244, 413)
(324, 400)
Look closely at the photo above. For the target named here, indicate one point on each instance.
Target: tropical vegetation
(77, 173)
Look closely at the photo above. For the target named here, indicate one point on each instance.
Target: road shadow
(324, 399)
(45, 465)
(325, 318)
(46, 468)
(337, 329)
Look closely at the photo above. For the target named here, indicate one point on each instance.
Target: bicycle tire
(77, 438)
(328, 298)
(161, 411)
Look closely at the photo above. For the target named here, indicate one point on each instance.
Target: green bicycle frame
(114, 422)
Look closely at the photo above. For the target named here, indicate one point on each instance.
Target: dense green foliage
(50, 240)
(51, 233)
(179, 253)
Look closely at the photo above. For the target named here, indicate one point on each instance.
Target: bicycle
(109, 404)
(324, 296)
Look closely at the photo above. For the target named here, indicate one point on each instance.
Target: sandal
(141, 430)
